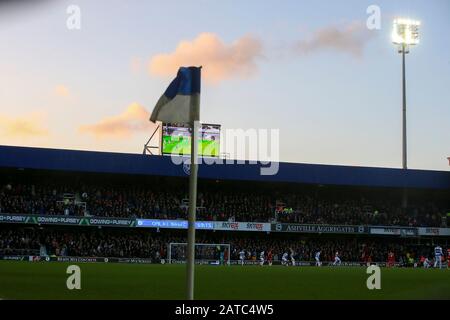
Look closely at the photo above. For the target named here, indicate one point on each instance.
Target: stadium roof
(123, 163)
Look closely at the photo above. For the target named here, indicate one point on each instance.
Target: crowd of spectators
(249, 206)
(92, 242)
(358, 212)
(82, 244)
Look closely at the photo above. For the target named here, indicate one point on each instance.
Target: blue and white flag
(180, 103)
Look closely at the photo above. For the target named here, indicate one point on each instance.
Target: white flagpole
(192, 209)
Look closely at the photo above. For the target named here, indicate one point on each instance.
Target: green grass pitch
(25, 280)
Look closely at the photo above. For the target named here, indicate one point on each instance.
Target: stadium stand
(58, 203)
(141, 202)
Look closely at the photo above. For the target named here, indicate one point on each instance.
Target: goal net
(205, 253)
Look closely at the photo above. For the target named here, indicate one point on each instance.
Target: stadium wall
(122, 163)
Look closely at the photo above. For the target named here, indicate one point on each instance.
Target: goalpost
(210, 253)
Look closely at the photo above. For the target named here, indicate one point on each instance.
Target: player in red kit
(269, 257)
(448, 258)
(391, 259)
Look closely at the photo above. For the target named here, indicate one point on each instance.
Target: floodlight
(405, 32)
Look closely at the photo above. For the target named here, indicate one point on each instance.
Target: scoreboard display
(176, 139)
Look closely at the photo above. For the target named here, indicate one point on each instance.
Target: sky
(311, 69)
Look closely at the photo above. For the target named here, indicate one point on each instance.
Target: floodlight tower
(405, 34)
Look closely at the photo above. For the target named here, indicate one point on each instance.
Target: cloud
(62, 91)
(135, 64)
(220, 61)
(22, 127)
(350, 38)
(134, 119)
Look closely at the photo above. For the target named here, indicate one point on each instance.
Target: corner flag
(180, 103)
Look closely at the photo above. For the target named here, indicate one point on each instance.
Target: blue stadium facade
(120, 163)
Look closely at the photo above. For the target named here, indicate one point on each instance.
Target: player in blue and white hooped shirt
(284, 259)
(337, 259)
(292, 257)
(317, 257)
(261, 258)
(438, 256)
(242, 257)
(426, 263)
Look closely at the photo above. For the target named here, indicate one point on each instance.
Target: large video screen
(176, 139)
